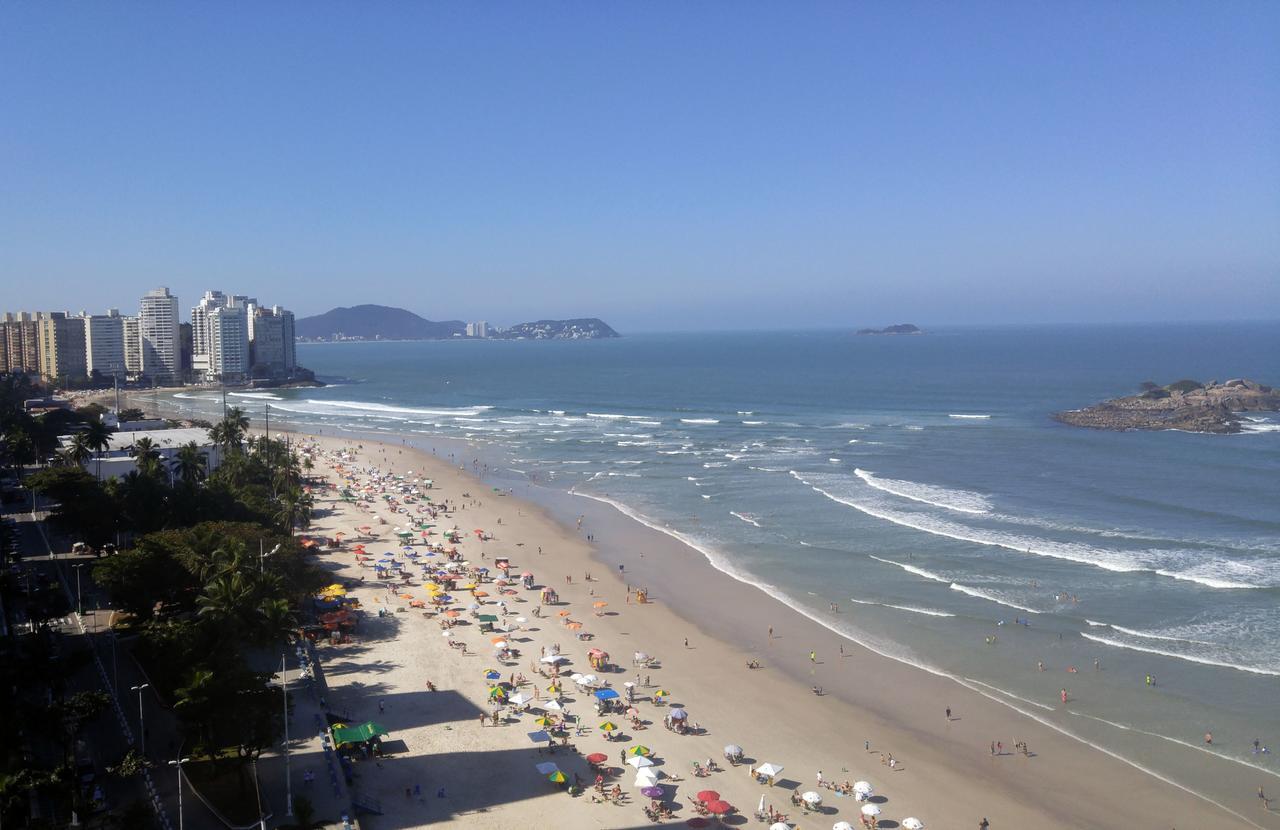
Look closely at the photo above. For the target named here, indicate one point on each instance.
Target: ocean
(917, 482)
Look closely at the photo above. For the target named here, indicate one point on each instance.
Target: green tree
(98, 436)
(146, 456)
(190, 464)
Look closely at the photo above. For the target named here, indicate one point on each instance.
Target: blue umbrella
(491, 675)
(606, 694)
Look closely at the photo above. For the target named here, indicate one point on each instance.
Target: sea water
(917, 482)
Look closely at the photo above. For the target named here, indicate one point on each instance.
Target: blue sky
(661, 165)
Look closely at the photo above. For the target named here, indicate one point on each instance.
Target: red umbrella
(708, 795)
(597, 758)
(719, 808)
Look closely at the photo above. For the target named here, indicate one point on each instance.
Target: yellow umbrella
(543, 721)
(556, 777)
(661, 693)
(608, 726)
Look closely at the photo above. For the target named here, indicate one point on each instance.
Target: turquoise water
(917, 482)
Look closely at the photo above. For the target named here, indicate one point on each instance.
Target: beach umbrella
(565, 613)
(552, 706)
(589, 680)
(719, 808)
(870, 810)
(913, 823)
(662, 693)
(639, 749)
(863, 787)
(599, 604)
(492, 674)
(606, 694)
(497, 691)
(576, 677)
(679, 714)
(556, 777)
(543, 721)
(597, 758)
(708, 795)
(732, 749)
(651, 792)
(842, 825)
(769, 770)
(643, 780)
(547, 767)
(812, 798)
(499, 643)
(639, 761)
(554, 658)
(780, 825)
(608, 726)
(518, 699)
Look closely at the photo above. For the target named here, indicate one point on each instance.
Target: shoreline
(883, 695)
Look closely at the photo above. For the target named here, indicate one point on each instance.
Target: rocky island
(1187, 405)
(901, 328)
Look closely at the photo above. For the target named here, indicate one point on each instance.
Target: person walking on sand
(813, 656)
(1266, 802)
(948, 713)
(1064, 695)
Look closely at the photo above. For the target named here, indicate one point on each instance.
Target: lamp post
(79, 597)
(178, 763)
(288, 779)
(142, 727)
(262, 557)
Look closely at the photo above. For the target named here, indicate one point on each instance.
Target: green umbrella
(556, 777)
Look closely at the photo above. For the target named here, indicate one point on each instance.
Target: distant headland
(1187, 405)
(380, 322)
(901, 328)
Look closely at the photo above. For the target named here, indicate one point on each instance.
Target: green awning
(359, 733)
(487, 618)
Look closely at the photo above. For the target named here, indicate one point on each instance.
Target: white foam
(1217, 572)
(746, 517)
(379, 408)
(990, 597)
(928, 611)
(1008, 693)
(755, 423)
(969, 417)
(1192, 658)
(912, 569)
(611, 416)
(962, 501)
(266, 396)
(699, 421)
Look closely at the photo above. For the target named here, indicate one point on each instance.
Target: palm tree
(230, 431)
(78, 449)
(19, 449)
(98, 436)
(190, 464)
(276, 621)
(228, 601)
(146, 456)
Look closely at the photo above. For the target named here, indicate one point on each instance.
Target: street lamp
(79, 598)
(142, 728)
(178, 763)
(262, 557)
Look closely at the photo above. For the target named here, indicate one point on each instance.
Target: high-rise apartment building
(228, 343)
(271, 339)
(200, 337)
(158, 332)
(20, 343)
(480, 329)
(62, 349)
(104, 344)
(132, 345)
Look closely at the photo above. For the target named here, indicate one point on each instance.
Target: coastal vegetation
(207, 581)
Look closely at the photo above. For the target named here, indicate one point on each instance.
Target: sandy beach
(446, 766)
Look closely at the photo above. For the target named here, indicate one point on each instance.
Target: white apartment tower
(132, 345)
(104, 344)
(228, 343)
(158, 334)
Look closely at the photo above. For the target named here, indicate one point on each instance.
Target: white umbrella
(554, 658)
(552, 706)
(547, 767)
(812, 798)
(518, 699)
(913, 823)
(649, 774)
(639, 761)
(644, 781)
(576, 677)
(870, 810)
(733, 749)
(769, 770)
(842, 825)
(629, 685)
(782, 825)
(863, 787)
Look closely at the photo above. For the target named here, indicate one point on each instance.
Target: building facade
(271, 341)
(104, 344)
(20, 343)
(158, 335)
(62, 347)
(228, 343)
(132, 345)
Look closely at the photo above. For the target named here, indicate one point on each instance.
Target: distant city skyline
(662, 167)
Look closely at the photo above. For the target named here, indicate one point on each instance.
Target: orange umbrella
(600, 604)
(406, 596)
(573, 626)
(564, 613)
(453, 612)
(479, 593)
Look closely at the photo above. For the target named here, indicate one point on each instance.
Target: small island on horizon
(900, 328)
(1187, 405)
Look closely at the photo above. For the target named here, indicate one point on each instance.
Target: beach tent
(606, 694)
(639, 761)
(769, 770)
(358, 734)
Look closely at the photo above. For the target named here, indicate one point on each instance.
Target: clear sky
(661, 165)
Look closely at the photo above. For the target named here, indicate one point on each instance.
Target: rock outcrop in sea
(1187, 405)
